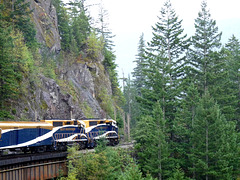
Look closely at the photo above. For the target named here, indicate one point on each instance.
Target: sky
(128, 19)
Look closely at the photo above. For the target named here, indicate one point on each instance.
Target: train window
(92, 123)
(75, 122)
(56, 124)
(101, 122)
(68, 123)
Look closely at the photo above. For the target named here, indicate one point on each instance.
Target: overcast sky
(128, 19)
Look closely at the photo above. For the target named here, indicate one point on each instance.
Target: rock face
(76, 93)
(49, 100)
(45, 20)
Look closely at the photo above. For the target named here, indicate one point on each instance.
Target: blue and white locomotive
(50, 135)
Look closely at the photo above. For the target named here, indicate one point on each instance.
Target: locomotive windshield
(56, 124)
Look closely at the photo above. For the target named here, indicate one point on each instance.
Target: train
(55, 134)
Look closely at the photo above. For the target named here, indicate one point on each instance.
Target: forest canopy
(184, 100)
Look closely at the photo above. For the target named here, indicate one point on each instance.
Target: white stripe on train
(38, 139)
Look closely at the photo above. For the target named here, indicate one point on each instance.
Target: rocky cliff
(44, 17)
(82, 88)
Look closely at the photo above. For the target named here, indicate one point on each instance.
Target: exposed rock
(77, 91)
(57, 104)
(45, 20)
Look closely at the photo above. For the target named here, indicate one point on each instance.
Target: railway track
(124, 145)
(45, 165)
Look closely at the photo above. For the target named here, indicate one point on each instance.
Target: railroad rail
(40, 166)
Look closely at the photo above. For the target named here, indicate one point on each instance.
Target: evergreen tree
(205, 41)
(109, 57)
(163, 71)
(183, 127)
(178, 174)
(110, 65)
(140, 61)
(23, 58)
(64, 28)
(103, 28)
(20, 16)
(131, 105)
(233, 62)
(151, 145)
(95, 46)
(215, 143)
(79, 22)
(220, 85)
(208, 65)
(8, 76)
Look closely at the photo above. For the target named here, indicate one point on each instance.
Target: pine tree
(233, 62)
(20, 16)
(220, 85)
(131, 106)
(140, 61)
(151, 145)
(8, 76)
(64, 28)
(183, 127)
(205, 41)
(165, 57)
(109, 57)
(209, 66)
(215, 142)
(103, 28)
(80, 22)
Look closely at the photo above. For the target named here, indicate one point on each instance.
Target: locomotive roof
(46, 124)
(24, 125)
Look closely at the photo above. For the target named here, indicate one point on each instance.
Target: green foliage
(201, 136)
(106, 102)
(205, 41)
(131, 172)
(106, 163)
(94, 46)
(9, 76)
(63, 25)
(215, 142)
(22, 21)
(151, 144)
(88, 112)
(131, 106)
(232, 56)
(102, 28)
(48, 64)
(178, 174)
(110, 66)
(183, 127)
(80, 24)
(138, 71)
(22, 54)
(162, 66)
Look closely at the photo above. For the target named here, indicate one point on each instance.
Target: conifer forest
(182, 98)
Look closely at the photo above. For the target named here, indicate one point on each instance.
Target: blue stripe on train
(18, 136)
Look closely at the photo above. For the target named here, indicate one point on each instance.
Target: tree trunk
(207, 149)
(124, 125)
(128, 126)
(193, 146)
(159, 158)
